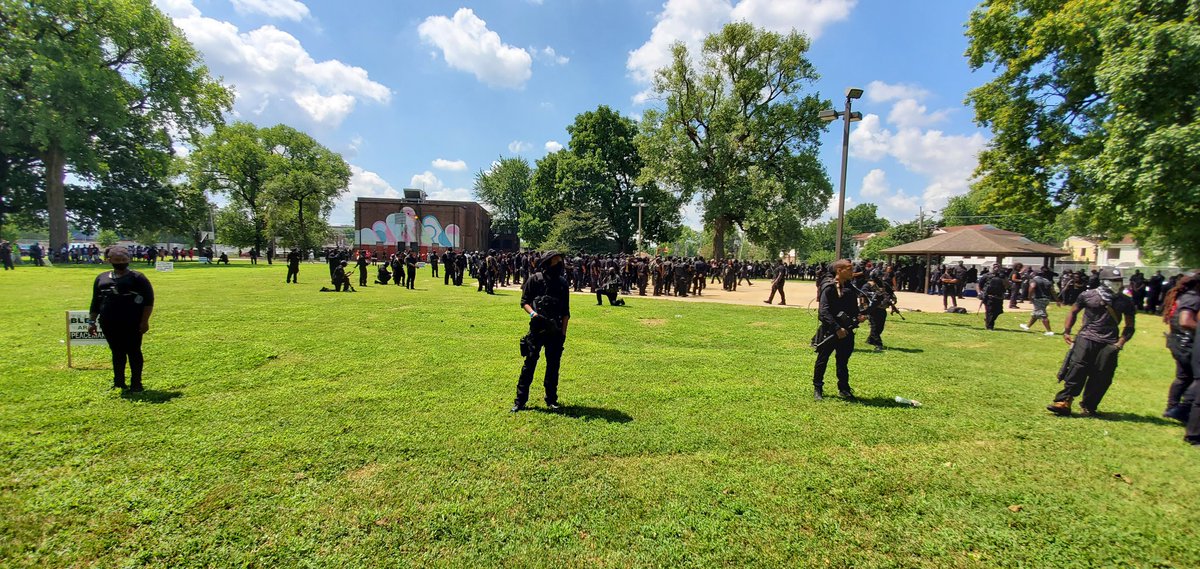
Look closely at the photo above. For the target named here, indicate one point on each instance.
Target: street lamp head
(855, 116)
(853, 93)
(828, 115)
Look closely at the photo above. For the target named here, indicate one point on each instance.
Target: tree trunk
(303, 235)
(56, 201)
(719, 226)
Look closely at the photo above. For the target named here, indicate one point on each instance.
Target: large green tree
(600, 173)
(1094, 104)
(504, 188)
(737, 129)
(76, 73)
(864, 218)
(235, 160)
(303, 182)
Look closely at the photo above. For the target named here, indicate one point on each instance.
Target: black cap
(1111, 275)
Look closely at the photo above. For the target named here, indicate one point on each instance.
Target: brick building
(385, 224)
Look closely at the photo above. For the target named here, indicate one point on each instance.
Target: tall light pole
(830, 115)
(641, 204)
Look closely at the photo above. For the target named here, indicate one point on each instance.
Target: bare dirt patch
(652, 321)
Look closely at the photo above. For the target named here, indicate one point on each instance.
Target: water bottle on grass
(906, 401)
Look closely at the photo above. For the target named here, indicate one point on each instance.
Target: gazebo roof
(977, 242)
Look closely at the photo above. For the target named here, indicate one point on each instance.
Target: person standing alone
(122, 300)
(546, 298)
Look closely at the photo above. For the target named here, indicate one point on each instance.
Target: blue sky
(426, 94)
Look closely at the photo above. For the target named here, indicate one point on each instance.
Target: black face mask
(120, 266)
(555, 270)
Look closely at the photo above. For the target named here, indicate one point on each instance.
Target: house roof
(978, 242)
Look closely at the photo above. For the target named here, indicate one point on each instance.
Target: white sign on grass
(165, 266)
(77, 330)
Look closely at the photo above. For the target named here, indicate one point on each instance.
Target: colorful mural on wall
(401, 228)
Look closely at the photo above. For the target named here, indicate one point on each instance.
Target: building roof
(982, 227)
(977, 242)
(867, 235)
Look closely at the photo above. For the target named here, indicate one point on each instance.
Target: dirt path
(803, 294)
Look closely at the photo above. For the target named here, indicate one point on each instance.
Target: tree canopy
(505, 188)
(737, 130)
(600, 173)
(97, 86)
(1094, 105)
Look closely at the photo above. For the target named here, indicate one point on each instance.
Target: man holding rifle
(546, 298)
(838, 313)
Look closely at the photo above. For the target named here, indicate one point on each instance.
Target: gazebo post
(927, 261)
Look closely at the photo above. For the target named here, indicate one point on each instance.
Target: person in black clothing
(448, 261)
(777, 284)
(362, 265)
(433, 260)
(610, 287)
(1154, 292)
(410, 269)
(838, 313)
(1180, 308)
(992, 287)
(1092, 360)
(546, 298)
(6, 255)
(879, 297)
(383, 276)
(122, 300)
(341, 281)
(293, 266)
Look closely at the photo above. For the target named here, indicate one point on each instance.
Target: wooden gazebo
(975, 242)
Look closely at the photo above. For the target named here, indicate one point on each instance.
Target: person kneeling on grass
(1092, 360)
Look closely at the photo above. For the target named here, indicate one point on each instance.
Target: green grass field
(283, 427)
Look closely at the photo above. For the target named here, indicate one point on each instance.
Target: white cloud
(553, 146)
(518, 146)
(808, 16)
(468, 45)
(910, 113)
(874, 184)
(681, 20)
(272, 72)
(283, 9)
(689, 21)
(436, 189)
(946, 161)
(452, 165)
(550, 56)
(831, 209)
(363, 183)
(178, 8)
(880, 92)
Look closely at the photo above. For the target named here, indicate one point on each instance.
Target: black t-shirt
(1189, 300)
(1042, 287)
(541, 284)
(120, 299)
(1099, 324)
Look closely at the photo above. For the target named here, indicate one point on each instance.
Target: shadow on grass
(151, 396)
(1134, 418)
(947, 324)
(878, 402)
(588, 413)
